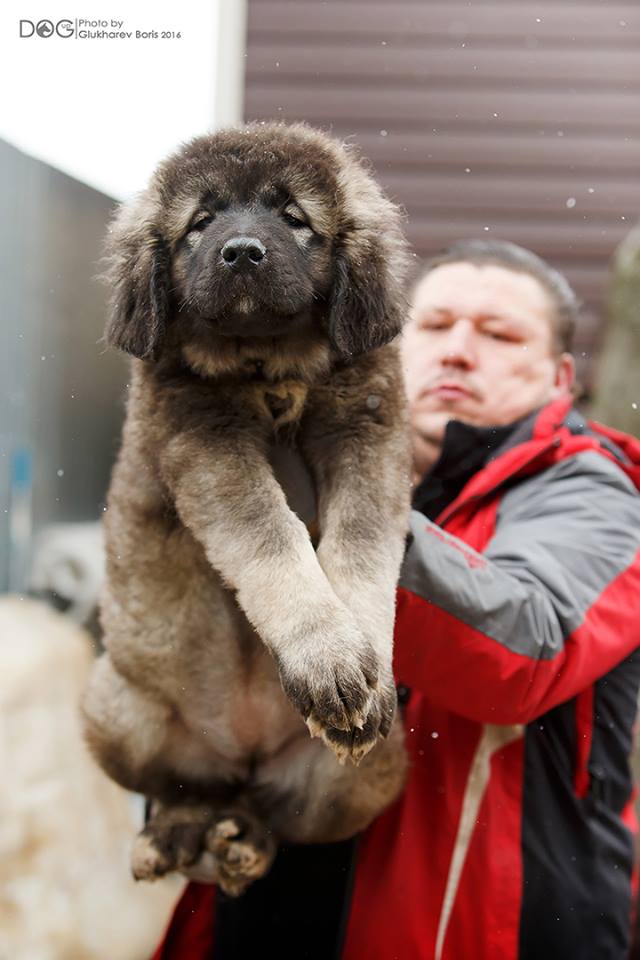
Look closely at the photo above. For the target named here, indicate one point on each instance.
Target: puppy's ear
(138, 270)
(367, 302)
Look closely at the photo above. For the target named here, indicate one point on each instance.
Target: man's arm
(552, 604)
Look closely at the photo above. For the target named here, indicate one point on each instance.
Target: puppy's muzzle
(243, 253)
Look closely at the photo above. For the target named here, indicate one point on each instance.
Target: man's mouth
(451, 390)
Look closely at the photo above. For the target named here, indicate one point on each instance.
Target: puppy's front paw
(338, 690)
(354, 744)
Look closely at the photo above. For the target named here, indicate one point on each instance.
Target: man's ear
(367, 305)
(565, 376)
(138, 271)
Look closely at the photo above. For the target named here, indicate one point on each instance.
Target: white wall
(106, 110)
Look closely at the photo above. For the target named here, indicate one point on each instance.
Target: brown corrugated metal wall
(514, 120)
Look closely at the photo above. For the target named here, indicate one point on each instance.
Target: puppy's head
(256, 233)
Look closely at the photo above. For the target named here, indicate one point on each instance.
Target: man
(517, 628)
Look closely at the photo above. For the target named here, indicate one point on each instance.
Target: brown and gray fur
(234, 629)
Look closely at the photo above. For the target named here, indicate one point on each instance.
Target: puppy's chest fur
(281, 403)
(257, 399)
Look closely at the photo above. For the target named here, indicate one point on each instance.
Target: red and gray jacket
(517, 631)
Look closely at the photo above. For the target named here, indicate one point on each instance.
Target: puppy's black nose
(243, 251)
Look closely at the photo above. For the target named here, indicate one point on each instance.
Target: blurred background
(518, 121)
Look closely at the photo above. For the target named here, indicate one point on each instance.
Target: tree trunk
(617, 396)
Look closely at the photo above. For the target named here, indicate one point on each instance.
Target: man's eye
(499, 335)
(435, 325)
(294, 217)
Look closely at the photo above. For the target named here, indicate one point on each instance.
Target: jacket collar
(465, 451)
(532, 444)
(549, 434)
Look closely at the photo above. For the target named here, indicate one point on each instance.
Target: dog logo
(46, 28)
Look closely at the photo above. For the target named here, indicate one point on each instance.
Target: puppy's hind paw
(147, 862)
(244, 850)
(172, 840)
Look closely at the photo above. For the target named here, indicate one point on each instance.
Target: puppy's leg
(355, 439)
(130, 734)
(125, 729)
(227, 495)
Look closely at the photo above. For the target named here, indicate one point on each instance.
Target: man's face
(478, 348)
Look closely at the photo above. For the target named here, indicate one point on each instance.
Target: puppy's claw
(315, 729)
(227, 829)
(361, 717)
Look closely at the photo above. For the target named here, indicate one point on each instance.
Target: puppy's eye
(200, 222)
(294, 216)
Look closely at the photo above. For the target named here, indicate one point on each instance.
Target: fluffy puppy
(258, 283)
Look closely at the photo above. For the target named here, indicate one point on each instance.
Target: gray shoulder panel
(562, 536)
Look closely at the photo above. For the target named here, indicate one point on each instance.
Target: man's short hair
(502, 253)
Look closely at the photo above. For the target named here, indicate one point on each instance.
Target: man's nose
(458, 346)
